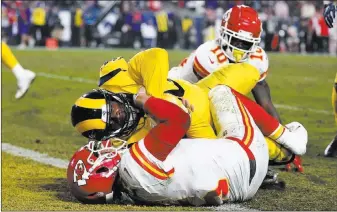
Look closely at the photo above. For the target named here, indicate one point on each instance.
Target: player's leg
(293, 136)
(233, 121)
(24, 77)
(331, 149)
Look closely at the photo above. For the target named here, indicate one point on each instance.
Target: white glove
(295, 138)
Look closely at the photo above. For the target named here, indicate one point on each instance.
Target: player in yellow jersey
(24, 76)
(331, 149)
(119, 81)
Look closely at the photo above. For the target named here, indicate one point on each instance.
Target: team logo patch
(81, 175)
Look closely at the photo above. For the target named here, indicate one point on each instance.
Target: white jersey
(202, 171)
(208, 57)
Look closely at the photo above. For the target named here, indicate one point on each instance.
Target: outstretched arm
(173, 124)
(261, 93)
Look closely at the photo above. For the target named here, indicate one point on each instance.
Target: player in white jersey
(164, 169)
(240, 34)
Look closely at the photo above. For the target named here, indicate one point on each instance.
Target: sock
(18, 70)
(8, 57)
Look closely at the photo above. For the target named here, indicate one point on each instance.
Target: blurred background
(288, 26)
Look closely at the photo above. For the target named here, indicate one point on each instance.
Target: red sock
(267, 123)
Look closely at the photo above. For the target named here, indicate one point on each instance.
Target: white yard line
(63, 164)
(82, 80)
(35, 156)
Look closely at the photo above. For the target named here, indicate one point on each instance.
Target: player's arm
(150, 68)
(261, 93)
(173, 124)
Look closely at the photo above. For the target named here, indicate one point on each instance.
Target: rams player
(24, 77)
(119, 80)
(331, 149)
(110, 111)
(329, 17)
(240, 34)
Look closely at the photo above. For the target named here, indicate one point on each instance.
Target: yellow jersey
(149, 69)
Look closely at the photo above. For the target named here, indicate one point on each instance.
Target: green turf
(299, 81)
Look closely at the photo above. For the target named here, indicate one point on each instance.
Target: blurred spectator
(54, 26)
(186, 25)
(5, 22)
(308, 9)
(162, 27)
(281, 9)
(65, 18)
(149, 33)
(270, 26)
(76, 26)
(209, 32)
(219, 14)
(292, 39)
(324, 33)
(24, 23)
(318, 32)
(90, 17)
(154, 5)
(136, 22)
(38, 27)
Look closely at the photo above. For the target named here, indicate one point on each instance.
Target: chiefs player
(240, 34)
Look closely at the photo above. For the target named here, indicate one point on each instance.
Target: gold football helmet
(100, 115)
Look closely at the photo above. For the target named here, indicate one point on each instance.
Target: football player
(24, 76)
(163, 169)
(119, 80)
(331, 149)
(240, 34)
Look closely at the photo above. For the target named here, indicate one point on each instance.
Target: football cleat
(331, 149)
(271, 181)
(24, 82)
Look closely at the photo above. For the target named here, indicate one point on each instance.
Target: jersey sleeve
(259, 60)
(184, 70)
(149, 68)
(205, 62)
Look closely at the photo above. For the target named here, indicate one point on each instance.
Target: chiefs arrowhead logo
(80, 173)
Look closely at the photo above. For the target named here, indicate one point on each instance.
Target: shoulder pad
(259, 60)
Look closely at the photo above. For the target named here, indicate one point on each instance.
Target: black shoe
(331, 149)
(271, 181)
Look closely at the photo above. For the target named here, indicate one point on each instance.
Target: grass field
(300, 86)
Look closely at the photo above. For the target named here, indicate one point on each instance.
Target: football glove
(329, 14)
(294, 138)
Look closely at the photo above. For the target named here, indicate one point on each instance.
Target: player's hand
(296, 139)
(297, 163)
(140, 97)
(188, 105)
(329, 14)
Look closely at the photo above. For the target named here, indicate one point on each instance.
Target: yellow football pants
(334, 98)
